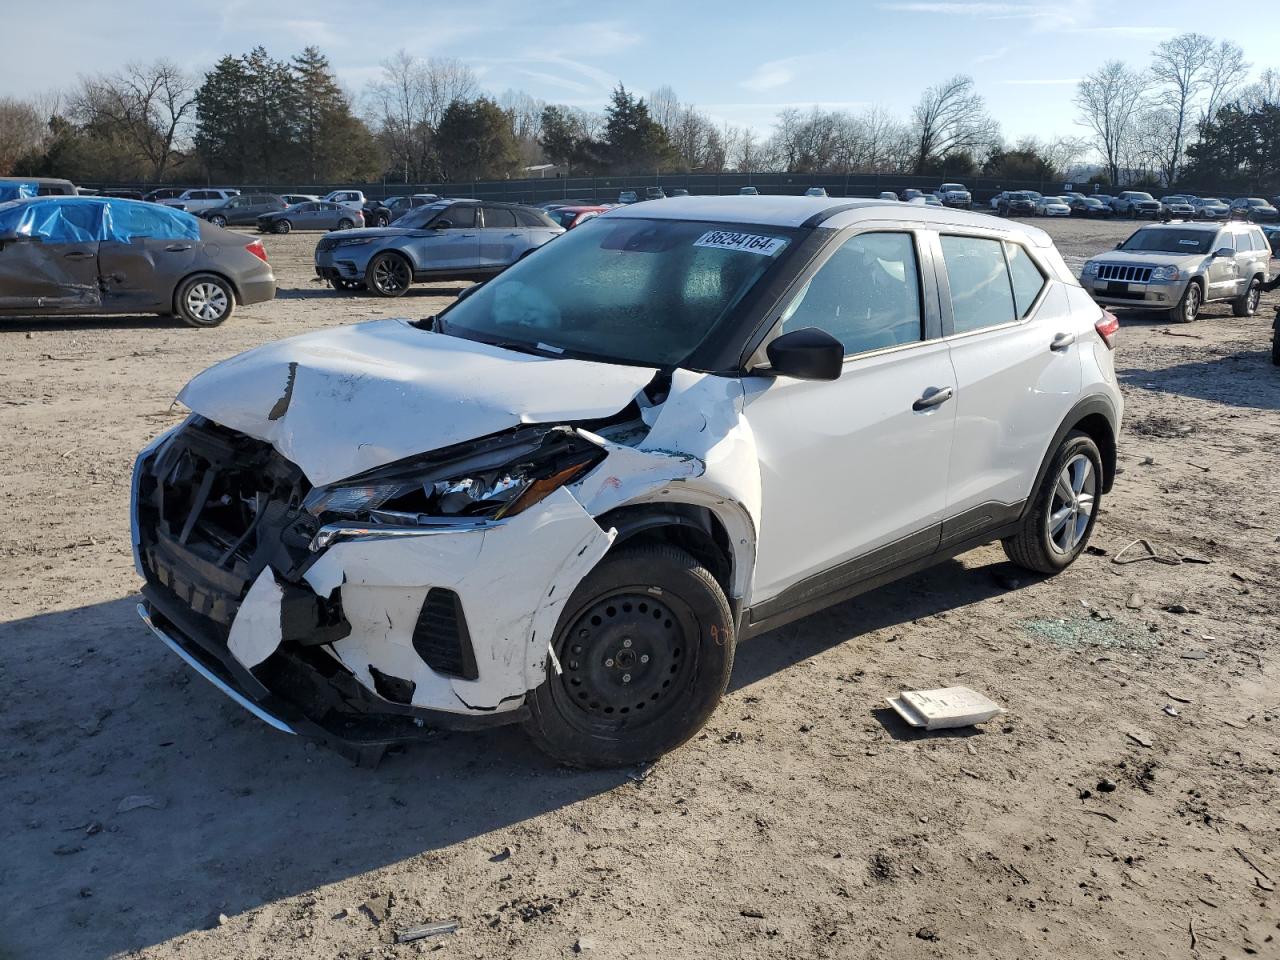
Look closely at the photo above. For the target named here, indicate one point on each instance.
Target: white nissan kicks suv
(565, 499)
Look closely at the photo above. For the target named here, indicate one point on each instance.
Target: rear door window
(1028, 281)
(499, 218)
(866, 295)
(981, 292)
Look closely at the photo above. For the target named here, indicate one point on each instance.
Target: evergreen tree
(475, 141)
(636, 143)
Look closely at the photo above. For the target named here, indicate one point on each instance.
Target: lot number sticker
(748, 242)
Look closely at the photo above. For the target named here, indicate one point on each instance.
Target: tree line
(1190, 115)
(253, 118)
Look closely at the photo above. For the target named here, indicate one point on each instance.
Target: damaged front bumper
(357, 635)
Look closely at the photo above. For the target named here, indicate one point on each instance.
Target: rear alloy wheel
(645, 646)
(1188, 308)
(1056, 526)
(218, 221)
(345, 224)
(389, 275)
(282, 226)
(1247, 305)
(204, 301)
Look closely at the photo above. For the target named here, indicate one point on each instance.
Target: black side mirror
(807, 354)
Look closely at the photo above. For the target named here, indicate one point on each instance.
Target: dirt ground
(146, 815)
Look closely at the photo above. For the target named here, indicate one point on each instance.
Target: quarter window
(1028, 281)
(981, 293)
(867, 294)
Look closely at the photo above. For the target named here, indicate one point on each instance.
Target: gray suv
(1136, 203)
(448, 240)
(1178, 267)
(243, 210)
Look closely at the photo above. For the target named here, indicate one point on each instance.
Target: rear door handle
(933, 397)
(1062, 341)
(79, 255)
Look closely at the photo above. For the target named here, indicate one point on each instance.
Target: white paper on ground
(947, 707)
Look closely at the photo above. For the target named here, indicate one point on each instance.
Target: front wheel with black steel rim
(389, 275)
(1188, 308)
(1057, 524)
(204, 301)
(645, 649)
(1246, 305)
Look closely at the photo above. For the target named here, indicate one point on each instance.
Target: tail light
(1108, 326)
(258, 250)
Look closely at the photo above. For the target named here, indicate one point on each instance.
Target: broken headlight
(414, 492)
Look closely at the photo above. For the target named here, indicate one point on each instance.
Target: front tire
(1246, 305)
(283, 226)
(646, 647)
(204, 300)
(388, 275)
(1058, 523)
(1188, 308)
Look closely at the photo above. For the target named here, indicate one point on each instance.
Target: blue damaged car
(447, 240)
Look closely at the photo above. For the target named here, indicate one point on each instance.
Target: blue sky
(739, 61)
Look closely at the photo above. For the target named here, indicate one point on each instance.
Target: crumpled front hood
(339, 402)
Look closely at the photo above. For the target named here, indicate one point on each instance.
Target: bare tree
(1224, 73)
(22, 131)
(525, 112)
(146, 105)
(1109, 100)
(951, 117)
(408, 102)
(1179, 71)
(1264, 90)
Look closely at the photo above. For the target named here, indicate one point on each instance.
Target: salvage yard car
(954, 195)
(90, 255)
(1179, 267)
(243, 210)
(1135, 203)
(448, 240)
(313, 215)
(563, 501)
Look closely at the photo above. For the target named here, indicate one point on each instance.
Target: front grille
(441, 637)
(215, 508)
(326, 244)
(1124, 272)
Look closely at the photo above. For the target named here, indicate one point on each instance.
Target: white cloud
(772, 74)
(598, 38)
(989, 57)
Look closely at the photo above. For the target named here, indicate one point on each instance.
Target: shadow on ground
(246, 815)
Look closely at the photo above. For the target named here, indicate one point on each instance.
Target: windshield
(953, 186)
(1169, 241)
(1140, 196)
(627, 290)
(563, 217)
(421, 216)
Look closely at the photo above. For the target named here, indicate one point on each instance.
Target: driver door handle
(933, 397)
(1062, 341)
(178, 247)
(79, 255)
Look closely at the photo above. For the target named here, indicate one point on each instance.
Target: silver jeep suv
(1178, 267)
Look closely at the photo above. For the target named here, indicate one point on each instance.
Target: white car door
(853, 471)
(1012, 333)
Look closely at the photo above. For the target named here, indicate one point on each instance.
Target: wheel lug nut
(644, 658)
(626, 642)
(626, 678)
(608, 663)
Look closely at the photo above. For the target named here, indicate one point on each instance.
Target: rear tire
(646, 646)
(1059, 521)
(1275, 343)
(388, 275)
(204, 300)
(1246, 305)
(282, 226)
(218, 221)
(345, 224)
(1188, 308)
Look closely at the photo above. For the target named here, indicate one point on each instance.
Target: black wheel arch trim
(1092, 406)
